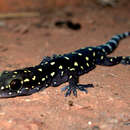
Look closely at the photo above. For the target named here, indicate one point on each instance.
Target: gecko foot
(70, 89)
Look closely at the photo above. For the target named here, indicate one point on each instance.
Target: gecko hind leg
(109, 61)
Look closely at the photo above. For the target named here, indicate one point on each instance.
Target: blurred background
(31, 5)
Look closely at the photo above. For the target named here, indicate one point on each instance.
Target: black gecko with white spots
(58, 69)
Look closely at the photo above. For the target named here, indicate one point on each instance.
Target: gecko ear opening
(15, 84)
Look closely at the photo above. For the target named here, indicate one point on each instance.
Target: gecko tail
(112, 44)
(125, 60)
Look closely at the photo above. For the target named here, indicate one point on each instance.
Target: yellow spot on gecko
(67, 58)
(34, 77)
(62, 73)
(111, 59)
(26, 80)
(14, 76)
(32, 86)
(43, 79)
(82, 67)
(103, 50)
(87, 58)
(87, 64)
(102, 57)
(40, 69)
(90, 49)
(10, 93)
(52, 74)
(15, 72)
(60, 67)
(22, 82)
(75, 63)
(52, 63)
(2, 88)
(70, 76)
(72, 69)
(94, 53)
(7, 86)
(80, 54)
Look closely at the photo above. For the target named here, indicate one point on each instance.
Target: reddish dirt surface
(31, 5)
(23, 42)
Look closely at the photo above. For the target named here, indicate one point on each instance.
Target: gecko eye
(15, 84)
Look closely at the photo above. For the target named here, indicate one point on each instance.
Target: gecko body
(58, 69)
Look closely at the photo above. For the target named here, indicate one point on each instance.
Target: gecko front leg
(74, 85)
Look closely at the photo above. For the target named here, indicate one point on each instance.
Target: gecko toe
(68, 92)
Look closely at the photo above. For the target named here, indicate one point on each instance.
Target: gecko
(58, 69)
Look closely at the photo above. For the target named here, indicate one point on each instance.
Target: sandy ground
(24, 42)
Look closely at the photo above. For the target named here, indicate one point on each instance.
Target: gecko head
(10, 84)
